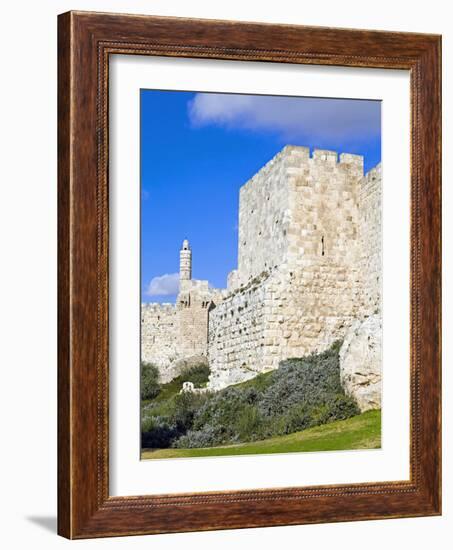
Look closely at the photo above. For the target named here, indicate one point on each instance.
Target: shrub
(224, 407)
(300, 394)
(197, 374)
(311, 381)
(164, 423)
(248, 423)
(158, 433)
(198, 438)
(185, 406)
(149, 381)
(296, 419)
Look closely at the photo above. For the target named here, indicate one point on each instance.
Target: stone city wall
(370, 200)
(291, 312)
(159, 335)
(236, 332)
(173, 333)
(287, 208)
(311, 292)
(192, 314)
(309, 266)
(264, 219)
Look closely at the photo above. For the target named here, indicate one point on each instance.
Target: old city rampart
(309, 266)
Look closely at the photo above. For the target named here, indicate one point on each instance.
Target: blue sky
(198, 149)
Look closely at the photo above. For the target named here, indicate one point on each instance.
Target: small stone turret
(185, 262)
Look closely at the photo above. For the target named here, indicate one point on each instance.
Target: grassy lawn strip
(359, 432)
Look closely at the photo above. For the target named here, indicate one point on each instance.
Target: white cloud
(291, 117)
(163, 285)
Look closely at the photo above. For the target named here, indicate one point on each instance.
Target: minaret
(185, 262)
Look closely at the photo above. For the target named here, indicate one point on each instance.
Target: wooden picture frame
(85, 42)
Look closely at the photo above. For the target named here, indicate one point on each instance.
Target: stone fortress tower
(172, 333)
(185, 262)
(309, 267)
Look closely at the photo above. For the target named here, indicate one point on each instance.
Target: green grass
(260, 381)
(359, 432)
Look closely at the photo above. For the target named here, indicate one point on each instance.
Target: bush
(196, 439)
(300, 394)
(164, 423)
(185, 406)
(197, 374)
(248, 423)
(149, 381)
(311, 381)
(158, 432)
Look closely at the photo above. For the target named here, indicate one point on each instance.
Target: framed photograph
(249, 275)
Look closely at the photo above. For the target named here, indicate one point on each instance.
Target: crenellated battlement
(285, 209)
(373, 176)
(309, 264)
(156, 307)
(297, 155)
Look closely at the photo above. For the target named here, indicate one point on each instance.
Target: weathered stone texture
(300, 259)
(370, 201)
(173, 334)
(158, 337)
(295, 208)
(265, 217)
(360, 362)
(192, 308)
(236, 332)
(309, 266)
